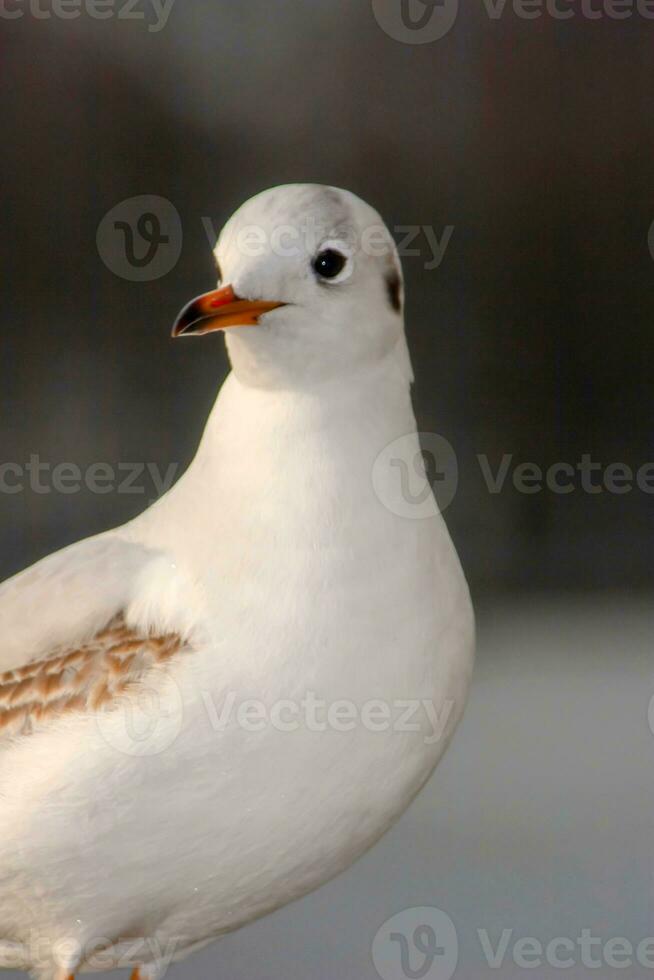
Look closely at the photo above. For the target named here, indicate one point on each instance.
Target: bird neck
(372, 401)
(274, 463)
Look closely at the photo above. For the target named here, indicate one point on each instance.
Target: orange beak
(217, 310)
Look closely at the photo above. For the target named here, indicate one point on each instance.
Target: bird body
(296, 655)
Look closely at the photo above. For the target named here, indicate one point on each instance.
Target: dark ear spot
(394, 288)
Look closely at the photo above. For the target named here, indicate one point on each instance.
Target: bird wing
(90, 676)
(72, 633)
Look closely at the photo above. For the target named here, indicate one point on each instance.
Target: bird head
(310, 287)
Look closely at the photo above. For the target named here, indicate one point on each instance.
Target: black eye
(219, 270)
(328, 263)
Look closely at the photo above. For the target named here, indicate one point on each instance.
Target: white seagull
(208, 712)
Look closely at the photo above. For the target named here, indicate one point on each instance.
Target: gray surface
(539, 819)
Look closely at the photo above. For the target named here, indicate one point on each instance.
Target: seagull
(213, 709)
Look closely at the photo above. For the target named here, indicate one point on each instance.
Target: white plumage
(163, 777)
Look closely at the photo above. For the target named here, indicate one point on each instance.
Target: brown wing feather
(89, 677)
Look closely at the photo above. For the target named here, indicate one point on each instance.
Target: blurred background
(524, 144)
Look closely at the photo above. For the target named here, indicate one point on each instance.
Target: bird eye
(329, 263)
(219, 271)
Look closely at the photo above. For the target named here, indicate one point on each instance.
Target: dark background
(535, 140)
